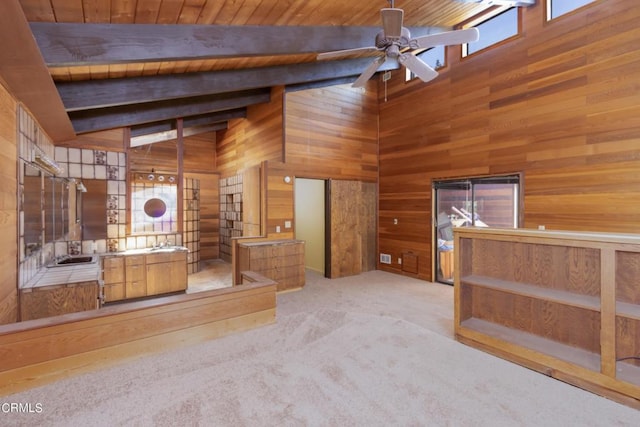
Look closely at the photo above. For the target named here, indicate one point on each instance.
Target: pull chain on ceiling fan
(395, 42)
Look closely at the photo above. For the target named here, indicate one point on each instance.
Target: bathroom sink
(74, 260)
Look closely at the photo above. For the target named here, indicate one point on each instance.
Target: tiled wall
(95, 164)
(191, 227)
(89, 164)
(230, 213)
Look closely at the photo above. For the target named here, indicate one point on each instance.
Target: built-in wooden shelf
(524, 289)
(584, 358)
(564, 303)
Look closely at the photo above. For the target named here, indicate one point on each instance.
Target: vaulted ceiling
(143, 63)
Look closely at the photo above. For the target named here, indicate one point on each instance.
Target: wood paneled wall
(561, 104)
(209, 214)
(109, 140)
(250, 141)
(200, 153)
(332, 132)
(159, 156)
(8, 208)
(329, 133)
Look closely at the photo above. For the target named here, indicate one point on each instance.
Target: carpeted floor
(371, 350)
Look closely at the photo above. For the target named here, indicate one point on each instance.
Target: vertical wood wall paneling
(8, 208)
(209, 214)
(558, 104)
(251, 201)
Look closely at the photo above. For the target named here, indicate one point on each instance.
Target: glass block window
(154, 204)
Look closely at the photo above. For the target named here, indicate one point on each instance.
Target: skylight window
(557, 8)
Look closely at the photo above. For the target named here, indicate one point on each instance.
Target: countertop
(62, 275)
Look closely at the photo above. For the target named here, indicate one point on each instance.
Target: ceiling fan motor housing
(382, 41)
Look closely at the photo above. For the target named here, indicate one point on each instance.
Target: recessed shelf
(563, 297)
(542, 345)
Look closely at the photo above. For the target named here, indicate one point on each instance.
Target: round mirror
(155, 207)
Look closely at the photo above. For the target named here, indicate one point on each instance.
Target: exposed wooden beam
(201, 120)
(91, 94)
(25, 75)
(72, 44)
(129, 115)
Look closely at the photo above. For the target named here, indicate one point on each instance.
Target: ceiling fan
(395, 42)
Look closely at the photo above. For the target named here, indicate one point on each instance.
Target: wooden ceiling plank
(68, 10)
(147, 11)
(191, 11)
(129, 115)
(96, 11)
(37, 10)
(83, 44)
(122, 11)
(170, 11)
(25, 75)
(113, 92)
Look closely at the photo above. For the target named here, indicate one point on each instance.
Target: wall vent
(385, 259)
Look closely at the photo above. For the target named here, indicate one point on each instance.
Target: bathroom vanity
(144, 272)
(82, 283)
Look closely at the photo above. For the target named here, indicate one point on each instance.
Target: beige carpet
(372, 350)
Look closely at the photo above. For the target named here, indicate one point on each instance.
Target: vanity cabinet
(113, 278)
(279, 260)
(47, 301)
(563, 303)
(141, 275)
(135, 275)
(166, 272)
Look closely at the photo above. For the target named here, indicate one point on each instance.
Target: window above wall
(494, 28)
(556, 8)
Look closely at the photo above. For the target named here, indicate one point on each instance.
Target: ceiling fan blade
(417, 66)
(392, 22)
(446, 38)
(344, 52)
(369, 72)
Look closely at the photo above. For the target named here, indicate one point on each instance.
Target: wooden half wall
(40, 351)
(558, 104)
